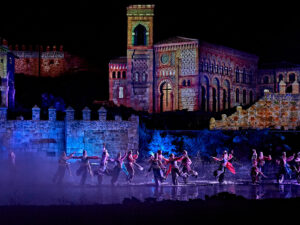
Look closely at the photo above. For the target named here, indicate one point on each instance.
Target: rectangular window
(121, 92)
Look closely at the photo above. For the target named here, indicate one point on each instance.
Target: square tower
(7, 73)
(140, 56)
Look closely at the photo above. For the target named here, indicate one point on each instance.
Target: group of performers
(176, 166)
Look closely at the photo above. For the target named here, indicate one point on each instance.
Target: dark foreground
(223, 208)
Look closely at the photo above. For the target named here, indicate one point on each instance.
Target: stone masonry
(50, 137)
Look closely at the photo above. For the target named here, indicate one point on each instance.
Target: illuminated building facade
(183, 73)
(7, 73)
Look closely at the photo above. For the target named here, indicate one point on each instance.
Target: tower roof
(176, 40)
(119, 60)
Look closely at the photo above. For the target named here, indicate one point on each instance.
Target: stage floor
(91, 193)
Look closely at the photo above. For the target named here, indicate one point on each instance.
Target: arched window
(144, 77)
(124, 74)
(250, 77)
(237, 96)
(237, 75)
(139, 35)
(205, 67)
(244, 97)
(184, 83)
(121, 92)
(251, 97)
(244, 76)
(188, 83)
(201, 66)
(114, 74)
(266, 80)
(226, 70)
(136, 77)
(212, 68)
(119, 74)
(292, 77)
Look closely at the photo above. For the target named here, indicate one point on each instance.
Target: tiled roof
(120, 60)
(175, 40)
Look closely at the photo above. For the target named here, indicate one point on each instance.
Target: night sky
(97, 30)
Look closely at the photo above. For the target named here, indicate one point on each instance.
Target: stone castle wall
(50, 137)
(49, 62)
(274, 111)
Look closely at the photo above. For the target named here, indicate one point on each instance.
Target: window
(121, 92)
(184, 83)
(144, 77)
(244, 97)
(216, 69)
(250, 77)
(124, 74)
(188, 83)
(237, 75)
(114, 74)
(292, 78)
(136, 77)
(244, 76)
(266, 80)
(226, 70)
(201, 66)
(140, 35)
(237, 95)
(119, 74)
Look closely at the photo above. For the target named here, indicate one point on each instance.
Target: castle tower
(7, 71)
(140, 57)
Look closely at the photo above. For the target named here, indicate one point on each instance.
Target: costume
(174, 169)
(156, 166)
(186, 168)
(284, 167)
(130, 160)
(63, 165)
(102, 170)
(118, 167)
(85, 167)
(297, 167)
(224, 163)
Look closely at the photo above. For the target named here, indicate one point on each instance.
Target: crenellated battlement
(70, 135)
(44, 60)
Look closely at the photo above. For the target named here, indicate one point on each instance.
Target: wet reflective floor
(70, 194)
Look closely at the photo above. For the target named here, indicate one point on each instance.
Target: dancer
(255, 171)
(102, 170)
(163, 161)
(186, 167)
(12, 166)
(119, 165)
(261, 160)
(63, 165)
(130, 164)
(284, 167)
(173, 168)
(297, 167)
(156, 166)
(224, 163)
(85, 167)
